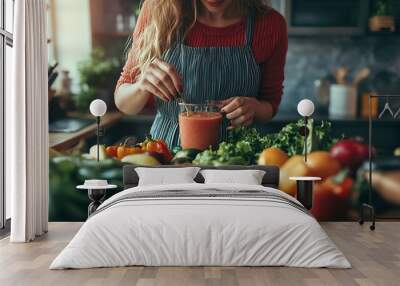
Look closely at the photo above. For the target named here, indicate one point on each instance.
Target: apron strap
(179, 38)
(250, 28)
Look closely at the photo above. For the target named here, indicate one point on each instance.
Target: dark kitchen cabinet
(396, 12)
(328, 17)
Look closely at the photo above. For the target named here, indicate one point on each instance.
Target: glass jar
(199, 125)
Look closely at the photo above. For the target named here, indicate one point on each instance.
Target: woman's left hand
(240, 110)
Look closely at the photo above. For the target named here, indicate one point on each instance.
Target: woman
(231, 51)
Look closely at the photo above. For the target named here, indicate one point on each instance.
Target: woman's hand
(161, 80)
(241, 111)
(387, 185)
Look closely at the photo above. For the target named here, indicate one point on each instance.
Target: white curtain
(27, 124)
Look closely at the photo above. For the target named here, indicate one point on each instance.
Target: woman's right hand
(162, 80)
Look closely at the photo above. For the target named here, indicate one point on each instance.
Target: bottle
(119, 23)
(365, 108)
(132, 22)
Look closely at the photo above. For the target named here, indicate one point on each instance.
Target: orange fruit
(322, 164)
(272, 156)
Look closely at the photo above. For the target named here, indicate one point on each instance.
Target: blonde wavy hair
(166, 20)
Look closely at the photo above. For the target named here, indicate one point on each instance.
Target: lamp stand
(305, 137)
(98, 137)
(305, 193)
(96, 197)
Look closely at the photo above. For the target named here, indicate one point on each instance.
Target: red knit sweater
(269, 47)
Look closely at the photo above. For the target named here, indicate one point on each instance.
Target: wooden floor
(375, 257)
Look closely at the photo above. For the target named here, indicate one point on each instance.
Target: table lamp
(98, 108)
(96, 188)
(305, 184)
(305, 108)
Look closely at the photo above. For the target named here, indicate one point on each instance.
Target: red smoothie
(199, 130)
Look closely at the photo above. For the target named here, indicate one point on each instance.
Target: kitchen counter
(64, 141)
(385, 131)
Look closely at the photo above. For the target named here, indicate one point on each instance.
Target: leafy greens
(245, 144)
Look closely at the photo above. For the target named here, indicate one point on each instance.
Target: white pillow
(166, 176)
(248, 177)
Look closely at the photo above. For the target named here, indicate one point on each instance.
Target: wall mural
(342, 163)
(342, 76)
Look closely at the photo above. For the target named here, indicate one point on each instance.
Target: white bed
(249, 226)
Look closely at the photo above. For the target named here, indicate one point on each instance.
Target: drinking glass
(199, 125)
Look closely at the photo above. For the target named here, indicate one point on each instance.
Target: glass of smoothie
(199, 125)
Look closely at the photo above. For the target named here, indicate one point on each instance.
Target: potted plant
(98, 76)
(382, 19)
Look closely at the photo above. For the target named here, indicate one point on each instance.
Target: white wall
(72, 38)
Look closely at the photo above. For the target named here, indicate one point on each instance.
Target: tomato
(112, 151)
(163, 148)
(120, 152)
(123, 151)
(152, 146)
(157, 146)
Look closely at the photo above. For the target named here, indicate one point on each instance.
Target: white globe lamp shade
(305, 108)
(98, 107)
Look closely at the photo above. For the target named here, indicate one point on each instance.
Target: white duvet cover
(185, 230)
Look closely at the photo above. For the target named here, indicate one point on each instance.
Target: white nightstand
(97, 190)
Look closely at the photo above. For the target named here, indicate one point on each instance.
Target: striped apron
(209, 73)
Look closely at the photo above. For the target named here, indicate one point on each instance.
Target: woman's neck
(220, 19)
